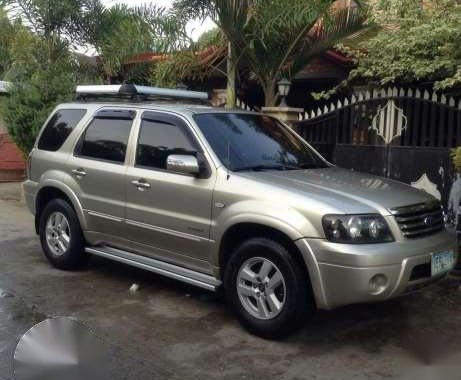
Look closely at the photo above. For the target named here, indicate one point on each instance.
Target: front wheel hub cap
(58, 233)
(261, 288)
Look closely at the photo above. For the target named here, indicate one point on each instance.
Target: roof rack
(137, 93)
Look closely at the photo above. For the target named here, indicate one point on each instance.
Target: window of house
(59, 128)
(106, 138)
(159, 139)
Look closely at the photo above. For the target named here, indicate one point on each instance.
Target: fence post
(285, 114)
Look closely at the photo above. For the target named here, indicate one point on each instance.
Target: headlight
(356, 229)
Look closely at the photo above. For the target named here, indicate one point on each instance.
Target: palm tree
(286, 37)
(121, 32)
(233, 18)
(271, 38)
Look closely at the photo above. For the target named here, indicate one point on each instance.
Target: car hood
(345, 189)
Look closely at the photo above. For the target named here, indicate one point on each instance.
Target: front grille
(420, 220)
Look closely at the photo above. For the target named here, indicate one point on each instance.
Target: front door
(165, 210)
(98, 168)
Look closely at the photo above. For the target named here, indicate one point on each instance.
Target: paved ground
(171, 331)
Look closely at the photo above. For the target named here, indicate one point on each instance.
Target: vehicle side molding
(188, 276)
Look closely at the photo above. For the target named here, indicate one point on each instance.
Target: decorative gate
(400, 134)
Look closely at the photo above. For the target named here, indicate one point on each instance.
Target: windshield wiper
(259, 168)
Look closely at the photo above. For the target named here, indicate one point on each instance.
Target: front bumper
(341, 274)
(30, 194)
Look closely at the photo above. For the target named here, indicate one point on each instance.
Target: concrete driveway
(171, 331)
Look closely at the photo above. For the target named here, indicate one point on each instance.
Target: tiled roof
(11, 158)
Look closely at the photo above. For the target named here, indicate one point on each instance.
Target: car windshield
(256, 142)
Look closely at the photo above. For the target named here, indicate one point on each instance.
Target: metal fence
(403, 134)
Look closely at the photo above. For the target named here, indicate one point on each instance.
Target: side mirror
(183, 164)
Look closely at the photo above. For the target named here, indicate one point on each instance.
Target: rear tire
(267, 289)
(61, 236)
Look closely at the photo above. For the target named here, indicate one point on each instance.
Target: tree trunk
(231, 76)
(270, 96)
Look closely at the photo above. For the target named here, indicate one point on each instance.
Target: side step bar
(188, 276)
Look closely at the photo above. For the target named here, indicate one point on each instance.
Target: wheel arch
(240, 232)
(52, 189)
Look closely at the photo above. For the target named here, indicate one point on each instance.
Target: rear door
(171, 212)
(98, 169)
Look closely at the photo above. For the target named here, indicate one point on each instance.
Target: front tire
(267, 288)
(61, 236)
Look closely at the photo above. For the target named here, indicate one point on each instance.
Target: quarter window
(59, 128)
(159, 139)
(106, 138)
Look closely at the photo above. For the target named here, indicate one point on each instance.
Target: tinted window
(59, 128)
(256, 142)
(158, 140)
(105, 139)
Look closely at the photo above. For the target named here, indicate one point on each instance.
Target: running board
(188, 276)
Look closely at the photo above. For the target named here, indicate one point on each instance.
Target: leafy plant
(30, 102)
(286, 37)
(415, 44)
(198, 62)
(42, 68)
(6, 37)
(68, 19)
(122, 32)
(232, 18)
(456, 158)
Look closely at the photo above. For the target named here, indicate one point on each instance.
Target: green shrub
(456, 158)
(2, 111)
(30, 103)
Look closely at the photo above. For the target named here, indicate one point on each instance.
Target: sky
(195, 28)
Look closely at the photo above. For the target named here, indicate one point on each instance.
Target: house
(323, 73)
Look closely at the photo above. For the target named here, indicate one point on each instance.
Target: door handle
(141, 184)
(79, 172)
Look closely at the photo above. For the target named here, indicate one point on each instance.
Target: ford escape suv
(226, 199)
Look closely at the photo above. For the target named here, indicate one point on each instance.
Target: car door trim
(168, 231)
(104, 216)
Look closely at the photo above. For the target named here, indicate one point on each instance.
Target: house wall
(12, 162)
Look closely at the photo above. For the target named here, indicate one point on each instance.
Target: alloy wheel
(58, 233)
(261, 288)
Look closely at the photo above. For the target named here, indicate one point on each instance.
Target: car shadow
(417, 323)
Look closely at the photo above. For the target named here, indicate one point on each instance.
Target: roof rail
(137, 92)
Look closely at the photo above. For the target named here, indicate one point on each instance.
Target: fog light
(378, 284)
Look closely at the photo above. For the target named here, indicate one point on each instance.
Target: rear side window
(106, 138)
(59, 128)
(159, 139)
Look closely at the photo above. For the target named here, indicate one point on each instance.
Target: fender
(284, 219)
(60, 185)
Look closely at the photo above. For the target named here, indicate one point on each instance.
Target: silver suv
(227, 199)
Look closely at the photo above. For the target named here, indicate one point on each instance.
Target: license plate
(442, 262)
